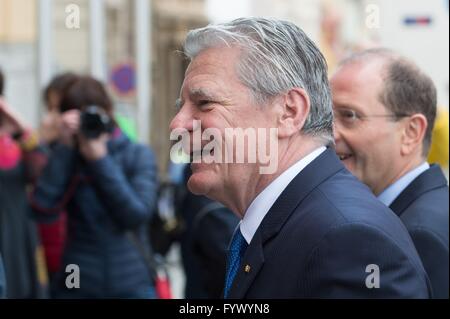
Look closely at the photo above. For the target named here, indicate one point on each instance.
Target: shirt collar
(388, 196)
(264, 201)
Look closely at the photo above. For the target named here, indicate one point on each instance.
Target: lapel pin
(247, 268)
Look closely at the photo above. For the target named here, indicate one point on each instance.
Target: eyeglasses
(349, 117)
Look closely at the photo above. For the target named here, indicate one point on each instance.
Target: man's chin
(199, 184)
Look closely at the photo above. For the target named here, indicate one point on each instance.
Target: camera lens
(94, 122)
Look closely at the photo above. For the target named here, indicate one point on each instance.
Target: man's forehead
(204, 71)
(358, 86)
(215, 57)
(208, 81)
(358, 78)
(362, 70)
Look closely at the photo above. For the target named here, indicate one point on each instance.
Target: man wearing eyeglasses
(385, 109)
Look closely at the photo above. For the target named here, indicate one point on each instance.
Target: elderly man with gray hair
(309, 229)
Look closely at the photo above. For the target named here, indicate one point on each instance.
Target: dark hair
(2, 82)
(59, 84)
(85, 91)
(408, 90)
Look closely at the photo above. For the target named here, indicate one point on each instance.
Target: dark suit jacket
(320, 236)
(208, 229)
(423, 208)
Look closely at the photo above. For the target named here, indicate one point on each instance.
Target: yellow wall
(17, 21)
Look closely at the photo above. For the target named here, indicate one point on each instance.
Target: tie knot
(238, 244)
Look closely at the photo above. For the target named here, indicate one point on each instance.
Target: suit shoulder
(354, 201)
(352, 248)
(429, 213)
(342, 200)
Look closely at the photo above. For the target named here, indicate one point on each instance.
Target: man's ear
(294, 111)
(414, 130)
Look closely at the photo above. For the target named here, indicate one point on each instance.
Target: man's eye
(203, 103)
(349, 115)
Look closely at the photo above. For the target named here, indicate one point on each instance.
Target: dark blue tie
(235, 254)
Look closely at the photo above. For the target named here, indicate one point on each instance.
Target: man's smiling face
(367, 140)
(213, 94)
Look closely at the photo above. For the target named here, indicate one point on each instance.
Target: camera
(95, 122)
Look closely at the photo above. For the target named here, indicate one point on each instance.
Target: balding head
(405, 90)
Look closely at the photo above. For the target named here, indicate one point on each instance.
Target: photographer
(108, 186)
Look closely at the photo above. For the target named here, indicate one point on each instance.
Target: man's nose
(183, 120)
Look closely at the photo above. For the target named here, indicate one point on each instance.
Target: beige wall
(17, 21)
(71, 45)
(305, 13)
(171, 21)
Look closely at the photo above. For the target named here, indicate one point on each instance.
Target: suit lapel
(430, 179)
(324, 166)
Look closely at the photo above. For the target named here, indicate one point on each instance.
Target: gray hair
(277, 56)
(406, 90)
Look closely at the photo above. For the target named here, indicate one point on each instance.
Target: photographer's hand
(93, 149)
(70, 124)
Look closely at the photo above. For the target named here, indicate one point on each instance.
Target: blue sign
(123, 79)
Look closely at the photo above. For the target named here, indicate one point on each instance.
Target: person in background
(383, 136)
(108, 186)
(23, 259)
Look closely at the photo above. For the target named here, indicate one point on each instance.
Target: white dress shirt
(264, 201)
(391, 193)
